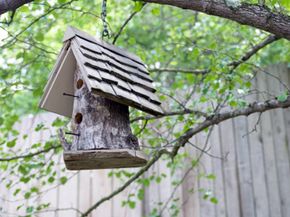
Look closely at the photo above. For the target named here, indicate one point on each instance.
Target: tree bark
(99, 123)
(256, 16)
(11, 5)
(253, 15)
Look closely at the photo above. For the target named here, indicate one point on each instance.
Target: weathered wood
(287, 117)
(257, 160)
(230, 169)
(207, 208)
(269, 154)
(103, 159)
(60, 81)
(190, 206)
(281, 152)
(244, 167)
(104, 124)
(84, 196)
(217, 164)
(11, 5)
(107, 71)
(101, 187)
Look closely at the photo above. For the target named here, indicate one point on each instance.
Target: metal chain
(105, 32)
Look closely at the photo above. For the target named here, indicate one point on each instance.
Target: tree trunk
(99, 122)
(257, 16)
(11, 5)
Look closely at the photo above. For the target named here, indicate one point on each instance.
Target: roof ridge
(71, 32)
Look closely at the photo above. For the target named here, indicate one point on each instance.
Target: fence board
(244, 167)
(190, 192)
(230, 170)
(207, 208)
(165, 190)
(220, 207)
(279, 135)
(269, 153)
(257, 160)
(101, 186)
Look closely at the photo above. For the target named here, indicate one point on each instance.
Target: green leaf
(19, 207)
(283, 97)
(34, 189)
(158, 179)
(233, 103)
(211, 176)
(138, 6)
(214, 200)
(146, 182)
(63, 180)
(140, 194)
(11, 143)
(16, 191)
(51, 179)
(132, 204)
(29, 209)
(155, 11)
(39, 36)
(23, 9)
(25, 179)
(23, 169)
(39, 127)
(58, 122)
(27, 195)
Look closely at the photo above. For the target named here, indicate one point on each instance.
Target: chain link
(105, 32)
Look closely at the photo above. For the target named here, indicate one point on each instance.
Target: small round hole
(80, 83)
(78, 118)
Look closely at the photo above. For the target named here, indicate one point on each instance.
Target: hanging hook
(105, 32)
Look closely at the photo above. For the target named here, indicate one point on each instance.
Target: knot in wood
(133, 141)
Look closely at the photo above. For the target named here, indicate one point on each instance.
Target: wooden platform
(104, 159)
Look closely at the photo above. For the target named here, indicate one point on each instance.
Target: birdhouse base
(103, 159)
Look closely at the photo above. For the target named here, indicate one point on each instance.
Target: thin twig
(124, 24)
(205, 151)
(142, 129)
(253, 51)
(30, 154)
(167, 114)
(181, 70)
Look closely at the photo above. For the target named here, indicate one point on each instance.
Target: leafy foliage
(163, 37)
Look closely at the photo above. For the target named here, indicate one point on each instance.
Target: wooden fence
(253, 180)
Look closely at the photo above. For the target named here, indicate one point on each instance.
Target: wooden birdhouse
(93, 83)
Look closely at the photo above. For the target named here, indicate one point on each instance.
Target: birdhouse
(93, 83)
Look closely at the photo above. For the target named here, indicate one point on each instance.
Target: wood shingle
(112, 72)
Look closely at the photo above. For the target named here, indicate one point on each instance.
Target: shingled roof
(108, 71)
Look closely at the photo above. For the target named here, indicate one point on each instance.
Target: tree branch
(181, 141)
(30, 154)
(189, 71)
(253, 15)
(166, 114)
(11, 5)
(254, 50)
(220, 117)
(125, 23)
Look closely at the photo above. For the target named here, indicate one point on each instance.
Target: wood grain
(103, 159)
